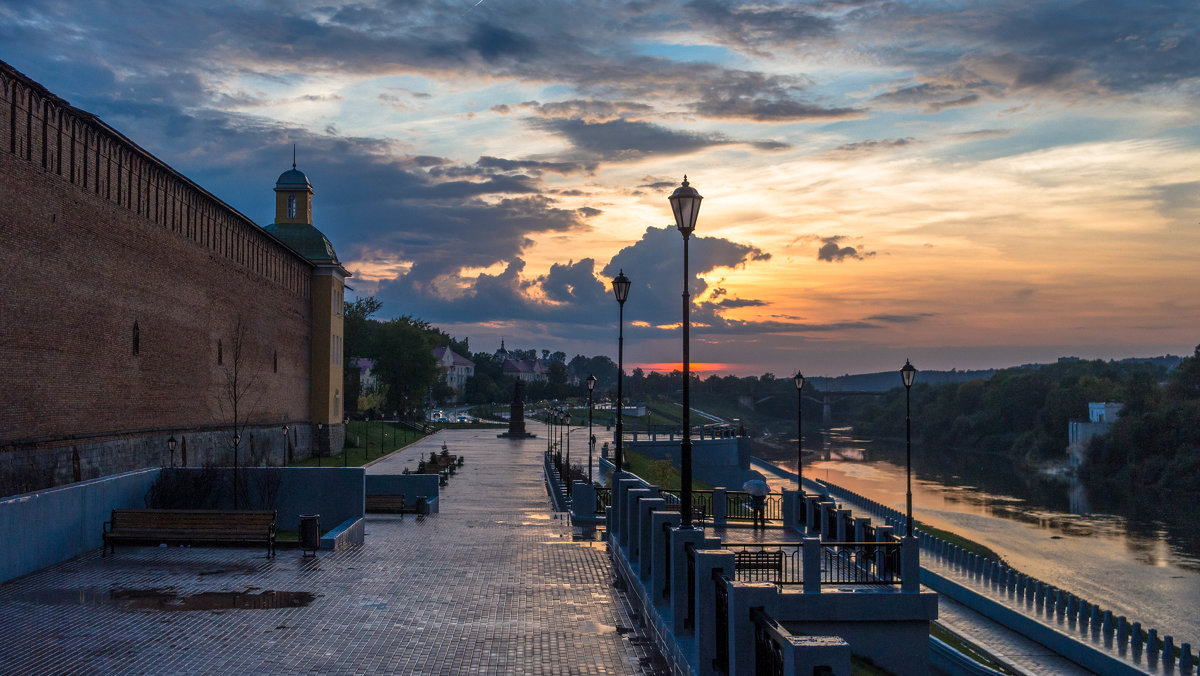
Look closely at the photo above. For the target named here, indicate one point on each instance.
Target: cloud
(869, 147)
(901, 319)
(621, 139)
(832, 252)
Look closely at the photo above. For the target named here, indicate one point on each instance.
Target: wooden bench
(190, 526)
(388, 504)
(759, 561)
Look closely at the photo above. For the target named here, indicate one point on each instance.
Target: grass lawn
(366, 441)
(660, 473)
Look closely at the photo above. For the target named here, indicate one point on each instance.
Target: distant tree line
(1022, 413)
(1155, 443)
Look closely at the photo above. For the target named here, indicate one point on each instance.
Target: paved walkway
(494, 584)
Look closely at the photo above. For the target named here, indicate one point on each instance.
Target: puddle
(159, 599)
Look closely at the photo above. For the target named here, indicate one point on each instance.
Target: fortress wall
(125, 285)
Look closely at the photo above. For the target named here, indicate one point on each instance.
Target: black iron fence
(777, 562)
(842, 563)
(721, 605)
(856, 563)
(769, 642)
(739, 506)
(603, 498)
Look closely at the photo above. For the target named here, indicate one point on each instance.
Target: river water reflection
(1139, 557)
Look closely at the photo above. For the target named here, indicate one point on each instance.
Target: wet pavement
(493, 584)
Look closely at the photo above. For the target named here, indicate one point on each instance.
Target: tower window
(275, 362)
(137, 338)
(220, 353)
(291, 206)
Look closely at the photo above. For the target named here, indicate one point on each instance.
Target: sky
(966, 184)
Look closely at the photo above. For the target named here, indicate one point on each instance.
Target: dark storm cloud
(563, 168)
(765, 110)
(574, 283)
(619, 139)
(756, 25)
(831, 250)
(654, 264)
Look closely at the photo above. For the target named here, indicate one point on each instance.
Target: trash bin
(422, 506)
(310, 533)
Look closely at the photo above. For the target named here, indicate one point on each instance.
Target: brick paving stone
(493, 584)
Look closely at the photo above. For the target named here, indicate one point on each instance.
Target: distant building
(1079, 432)
(455, 367)
(367, 381)
(525, 370)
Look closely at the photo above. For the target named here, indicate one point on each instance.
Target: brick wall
(123, 284)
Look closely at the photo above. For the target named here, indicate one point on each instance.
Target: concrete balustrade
(1046, 598)
(651, 553)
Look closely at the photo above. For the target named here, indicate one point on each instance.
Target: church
(143, 321)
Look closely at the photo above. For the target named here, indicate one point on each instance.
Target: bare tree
(238, 394)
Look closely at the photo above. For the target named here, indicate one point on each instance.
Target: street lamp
(685, 202)
(567, 465)
(620, 287)
(287, 447)
(171, 447)
(799, 378)
(320, 435)
(908, 374)
(591, 383)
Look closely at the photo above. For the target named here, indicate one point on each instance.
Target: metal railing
(842, 563)
(739, 506)
(603, 498)
(776, 562)
(769, 642)
(721, 606)
(860, 563)
(689, 620)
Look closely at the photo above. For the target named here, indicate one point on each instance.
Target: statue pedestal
(516, 417)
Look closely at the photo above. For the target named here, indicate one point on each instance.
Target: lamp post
(237, 439)
(320, 435)
(685, 203)
(171, 447)
(908, 374)
(591, 383)
(799, 378)
(620, 287)
(287, 448)
(567, 464)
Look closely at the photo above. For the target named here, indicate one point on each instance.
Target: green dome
(306, 240)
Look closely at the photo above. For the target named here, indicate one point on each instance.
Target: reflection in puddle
(158, 599)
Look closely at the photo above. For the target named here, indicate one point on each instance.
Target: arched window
(275, 362)
(291, 206)
(137, 338)
(220, 353)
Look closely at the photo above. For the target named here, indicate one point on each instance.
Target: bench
(759, 561)
(190, 526)
(388, 504)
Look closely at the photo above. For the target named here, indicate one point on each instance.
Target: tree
(404, 362)
(239, 392)
(357, 330)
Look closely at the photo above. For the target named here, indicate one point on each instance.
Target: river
(1138, 557)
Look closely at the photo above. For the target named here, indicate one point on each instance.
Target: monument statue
(516, 416)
